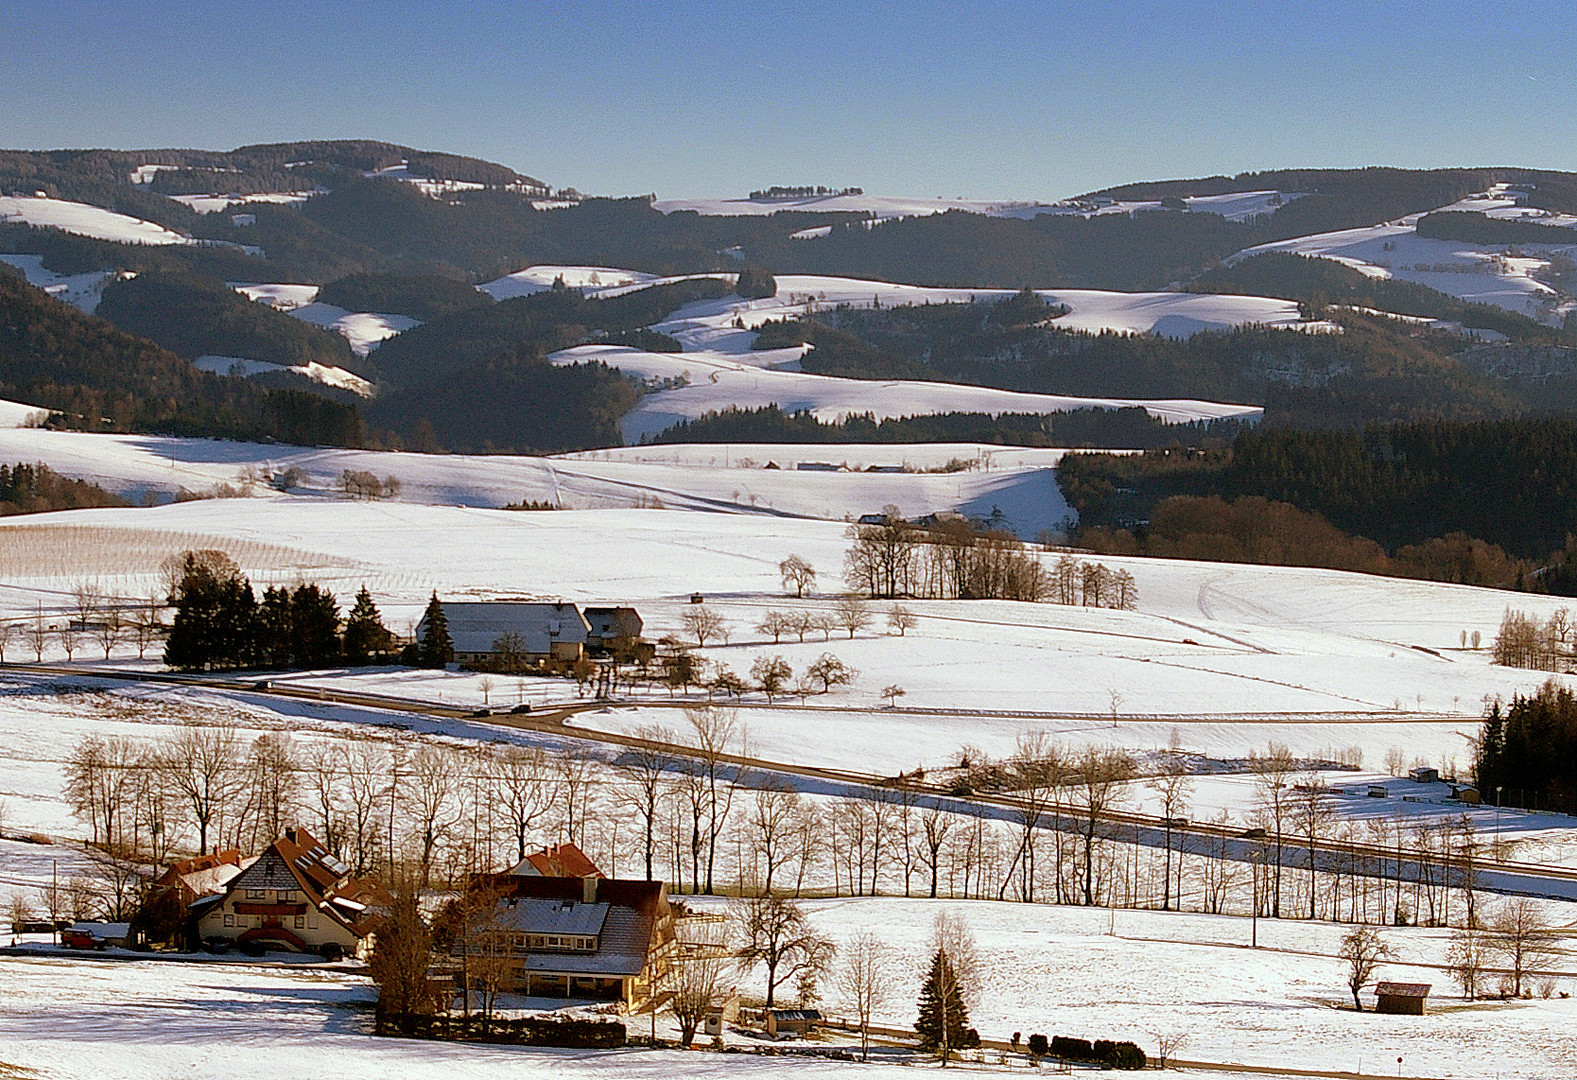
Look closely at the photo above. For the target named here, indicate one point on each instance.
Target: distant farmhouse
(616, 632)
(592, 938)
(545, 631)
(295, 896)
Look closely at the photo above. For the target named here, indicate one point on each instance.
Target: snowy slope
(82, 291)
(1212, 644)
(717, 380)
(212, 204)
(85, 220)
(365, 330)
(721, 370)
(1236, 206)
(535, 279)
(155, 467)
(326, 374)
(1484, 274)
(16, 415)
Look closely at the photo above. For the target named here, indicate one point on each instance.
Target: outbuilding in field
(1406, 999)
(781, 1022)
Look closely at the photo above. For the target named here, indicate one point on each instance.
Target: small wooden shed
(1407, 999)
(792, 1021)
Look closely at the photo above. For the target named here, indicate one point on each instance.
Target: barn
(1406, 999)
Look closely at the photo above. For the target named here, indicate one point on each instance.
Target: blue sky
(985, 99)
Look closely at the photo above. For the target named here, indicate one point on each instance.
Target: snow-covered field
(1057, 971)
(147, 467)
(326, 374)
(85, 220)
(1230, 656)
(212, 204)
(82, 291)
(365, 330)
(1047, 970)
(1236, 206)
(713, 381)
(1484, 274)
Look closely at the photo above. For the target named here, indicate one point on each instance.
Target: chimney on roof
(588, 889)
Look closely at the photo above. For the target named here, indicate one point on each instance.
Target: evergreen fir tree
(436, 648)
(314, 627)
(365, 634)
(273, 628)
(944, 1020)
(215, 621)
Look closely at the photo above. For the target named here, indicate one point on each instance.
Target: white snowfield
(212, 204)
(326, 374)
(365, 330)
(1212, 644)
(1236, 206)
(1019, 483)
(85, 220)
(1483, 274)
(535, 279)
(13, 414)
(1044, 969)
(716, 381)
(720, 369)
(81, 291)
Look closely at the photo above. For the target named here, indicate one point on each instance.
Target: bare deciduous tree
(776, 934)
(830, 671)
(901, 619)
(798, 575)
(644, 770)
(699, 966)
(1521, 934)
(1466, 960)
(771, 673)
(864, 982)
(777, 623)
(1362, 950)
(853, 614)
(1173, 786)
(702, 623)
(203, 764)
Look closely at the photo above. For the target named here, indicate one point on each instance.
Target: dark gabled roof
(793, 1015)
(1401, 989)
(612, 622)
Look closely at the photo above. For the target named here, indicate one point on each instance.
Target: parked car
(520, 709)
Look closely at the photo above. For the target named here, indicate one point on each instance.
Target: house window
(286, 895)
(301, 922)
(257, 894)
(229, 920)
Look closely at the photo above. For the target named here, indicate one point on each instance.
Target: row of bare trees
(1523, 641)
(90, 619)
(683, 805)
(955, 560)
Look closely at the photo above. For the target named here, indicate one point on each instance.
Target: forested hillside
(103, 379)
(195, 316)
(1510, 483)
(1376, 369)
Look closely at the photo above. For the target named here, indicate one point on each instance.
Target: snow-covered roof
(533, 915)
(474, 627)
